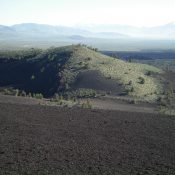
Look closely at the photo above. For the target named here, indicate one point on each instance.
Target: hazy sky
(71, 12)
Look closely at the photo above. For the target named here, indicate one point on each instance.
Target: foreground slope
(60, 69)
(45, 140)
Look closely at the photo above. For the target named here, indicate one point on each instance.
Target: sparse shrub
(80, 63)
(42, 69)
(89, 59)
(23, 94)
(51, 57)
(81, 93)
(38, 96)
(129, 90)
(95, 49)
(66, 86)
(6, 92)
(10, 91)
(129, 60)
(16, 92)
(132, 89)
(85, 93)
(109, 92)
(87, 105)
(141, 80)
(32, 77)
(74, 99)
(58, 98)
(86, 66)
(29, 95)
(159, 99)
(134, 101)
(130, 82)
(148, 73)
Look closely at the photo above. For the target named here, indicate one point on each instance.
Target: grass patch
(86, 105)
(144, 86)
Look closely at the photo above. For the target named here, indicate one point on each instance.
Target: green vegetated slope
(56, 69)
(136, 78)
(37, 73)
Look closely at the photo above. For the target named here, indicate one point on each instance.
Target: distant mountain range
(104, 37)
(89, 31)
(42, 30)
(166, 31)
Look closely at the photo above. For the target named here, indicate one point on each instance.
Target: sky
(75, 12)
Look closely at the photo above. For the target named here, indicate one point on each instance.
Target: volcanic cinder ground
(39, 140)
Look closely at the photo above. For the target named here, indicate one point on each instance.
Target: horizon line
(88, 24)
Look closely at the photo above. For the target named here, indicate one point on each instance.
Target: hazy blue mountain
(4, 31)
(42, 30)
(110, 35)
(159, 32)
(104, 37)
(90, 31)
(48, 30)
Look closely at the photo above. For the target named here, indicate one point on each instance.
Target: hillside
(72, 68)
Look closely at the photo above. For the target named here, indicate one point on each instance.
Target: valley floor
(40, 140)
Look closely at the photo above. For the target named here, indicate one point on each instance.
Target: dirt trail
(107, 103)
(118, 105)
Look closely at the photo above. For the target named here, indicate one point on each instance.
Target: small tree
(130, 82)
(23, 94)
(148, 73)
(29, 95)
(38, 96)
(32, 77)
(87, 105)
(95, 49)
(17, 92)
(141, 80)
(66, 86)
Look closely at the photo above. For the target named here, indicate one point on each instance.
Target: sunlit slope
(136, 78)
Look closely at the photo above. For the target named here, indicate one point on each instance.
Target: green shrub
(66, 86)
(148, 73)
(23, 94)
(87, 105)
(141, 80)
(29, 95)
(86, 66)
(38, 96)
(32, 77)
(16, 92)
(89, 59)
(129, 90)
(130, 82)
(42, 69)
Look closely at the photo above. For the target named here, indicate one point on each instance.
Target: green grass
(128, 74)
(167, 111)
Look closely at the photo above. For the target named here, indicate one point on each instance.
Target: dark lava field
(45, 140)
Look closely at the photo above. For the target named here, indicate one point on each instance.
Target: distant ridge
(33, 29)
(166, 31)
(104, 37)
